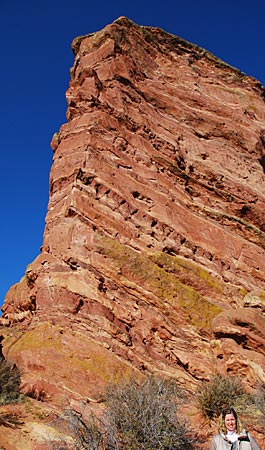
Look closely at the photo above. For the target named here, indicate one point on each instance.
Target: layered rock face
(153, 251)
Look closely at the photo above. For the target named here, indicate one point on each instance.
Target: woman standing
(231, 435)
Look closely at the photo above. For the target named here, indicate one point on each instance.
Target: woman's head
(229, 420)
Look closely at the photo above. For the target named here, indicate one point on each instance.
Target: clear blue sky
(35, 51)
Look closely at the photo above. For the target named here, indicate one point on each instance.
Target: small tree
(218, 393)
(9, 382)
(9, 392)
(142, 415)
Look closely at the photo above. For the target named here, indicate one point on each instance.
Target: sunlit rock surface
(153, 251)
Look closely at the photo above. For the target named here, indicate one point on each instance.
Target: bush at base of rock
(9, 383)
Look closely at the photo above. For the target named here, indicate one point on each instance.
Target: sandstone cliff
(153, 251)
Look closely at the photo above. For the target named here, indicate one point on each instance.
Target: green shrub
(9, 382)
(221, 392)
(218, 393)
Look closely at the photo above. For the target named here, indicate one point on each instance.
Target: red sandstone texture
(153, 251)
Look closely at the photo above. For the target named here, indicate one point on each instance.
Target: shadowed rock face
(153, 251)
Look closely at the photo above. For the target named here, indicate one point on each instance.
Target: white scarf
(232, 436)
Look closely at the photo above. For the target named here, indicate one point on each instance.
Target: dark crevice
(239, 339)
(79, 306)
(262, 162)
(85, 179)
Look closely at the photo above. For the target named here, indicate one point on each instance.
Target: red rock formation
(153, 252)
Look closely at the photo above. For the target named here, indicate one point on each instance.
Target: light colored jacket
(245, 442)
